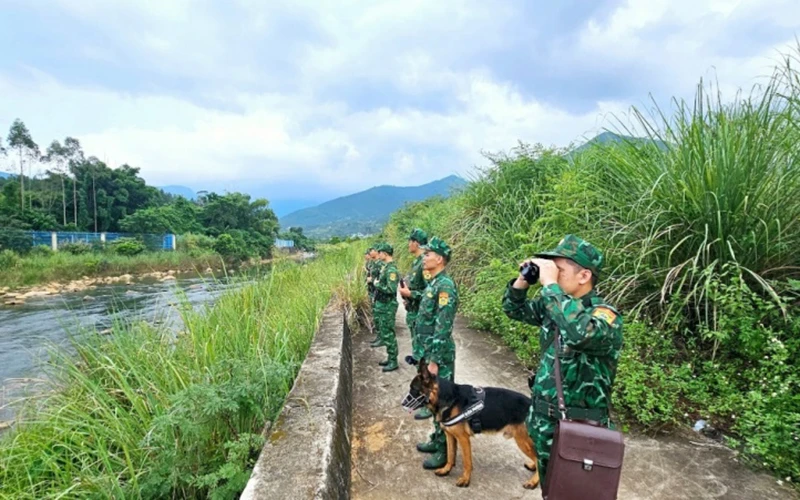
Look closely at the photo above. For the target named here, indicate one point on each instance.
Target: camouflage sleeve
(517, 307)
(442, 340)
(416, 278)
(387, 282)
(586, 330)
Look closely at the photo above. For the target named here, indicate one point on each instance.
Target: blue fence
(57, 239)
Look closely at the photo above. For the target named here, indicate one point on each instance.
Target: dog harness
(476, 398)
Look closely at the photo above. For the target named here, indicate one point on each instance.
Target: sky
(301, 101)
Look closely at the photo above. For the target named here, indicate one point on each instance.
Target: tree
(56, 153)
(74, 155)
(20, 139)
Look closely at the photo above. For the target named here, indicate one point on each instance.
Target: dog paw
(532, 484)
(443, 471)
(531, 466)
(462, 482)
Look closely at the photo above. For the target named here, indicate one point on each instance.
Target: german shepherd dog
(504, 411)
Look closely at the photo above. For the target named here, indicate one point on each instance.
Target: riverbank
(60, 271)
(143, 413)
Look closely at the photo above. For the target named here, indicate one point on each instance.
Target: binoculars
(530, 272)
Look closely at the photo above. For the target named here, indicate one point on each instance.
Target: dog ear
(423, 371)
(422, 364)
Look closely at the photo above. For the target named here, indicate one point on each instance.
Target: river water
(27, 331)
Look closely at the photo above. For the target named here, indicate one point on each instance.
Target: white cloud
(242, 117)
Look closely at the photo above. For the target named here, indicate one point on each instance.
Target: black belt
(573, 413)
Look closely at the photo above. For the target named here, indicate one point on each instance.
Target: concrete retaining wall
(307, 454)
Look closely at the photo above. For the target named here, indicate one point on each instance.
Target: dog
(503, 411)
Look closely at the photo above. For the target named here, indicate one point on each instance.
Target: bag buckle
(587, 464)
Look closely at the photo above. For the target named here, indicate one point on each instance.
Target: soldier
(412, 290)
(434, 328)
(374, 273)
(386, 306)
(590, 335)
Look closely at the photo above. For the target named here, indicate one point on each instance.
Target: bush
(15, 239)
(231, 246)
(195, 244)
(128, 247)
(41, 251)
(9, 259)
(78, 248)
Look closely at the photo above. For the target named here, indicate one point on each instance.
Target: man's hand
(404, 291)
(433, 368)
(521, 284)
(369, 280)
(548, 271)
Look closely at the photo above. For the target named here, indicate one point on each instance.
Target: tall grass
(62, 266)
(151, 415)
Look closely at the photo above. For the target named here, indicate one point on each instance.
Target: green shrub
(195, 244)
(9, 259)
(41, 251)
(77, 248)
(128, 247)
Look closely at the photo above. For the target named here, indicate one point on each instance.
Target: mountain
(5, 175)
(365, 212)
(184, 191)
(608, 138)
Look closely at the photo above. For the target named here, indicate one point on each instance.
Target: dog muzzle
(411, 403)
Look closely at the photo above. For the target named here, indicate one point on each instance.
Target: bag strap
(562, 406)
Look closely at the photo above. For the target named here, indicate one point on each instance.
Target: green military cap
(437, 245)
(419, 236)
(385, 247)
(579, 251)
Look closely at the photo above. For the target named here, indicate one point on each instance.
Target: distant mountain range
(365, 212)
(5, 175)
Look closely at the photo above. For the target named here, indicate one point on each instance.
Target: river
(28, 330)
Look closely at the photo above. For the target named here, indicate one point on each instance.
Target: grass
(150, 415)
(699, 225)
(62, 267)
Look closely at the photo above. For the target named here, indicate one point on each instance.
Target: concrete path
(386, 465)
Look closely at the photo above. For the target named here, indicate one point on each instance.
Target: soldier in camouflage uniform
(434, 327)
(412, 293)
(590, 333)
(374, 274)
(386, 306)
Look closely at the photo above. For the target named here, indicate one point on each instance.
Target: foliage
(9, 259)
(300, 240)
(15, 239)
(195, 244)
(77, 248)
(127, 246)
(146, 414)
(81, 193)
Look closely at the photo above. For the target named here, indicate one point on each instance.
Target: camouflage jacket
(386, 286)
(416, 283)
(590, 336)
(437, 312)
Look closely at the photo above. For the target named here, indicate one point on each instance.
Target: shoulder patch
(605, 314)
(444, 299)
(393, 276)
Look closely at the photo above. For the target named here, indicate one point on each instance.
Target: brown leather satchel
(586, 458)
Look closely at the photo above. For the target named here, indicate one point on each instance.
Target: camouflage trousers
(541, 429)
(446, 371)
(416, 346)
(384, 314)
